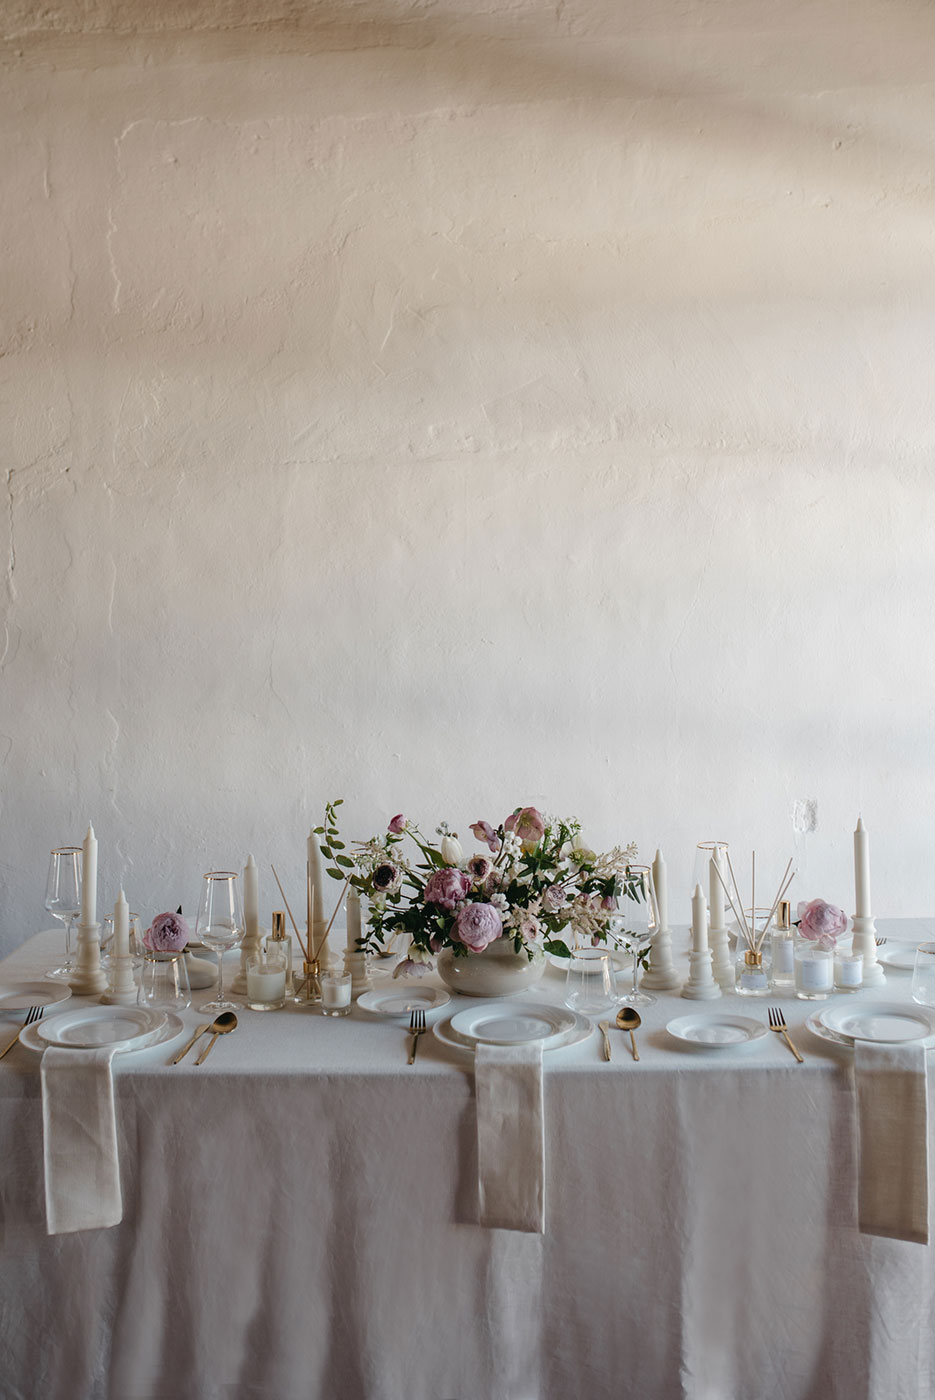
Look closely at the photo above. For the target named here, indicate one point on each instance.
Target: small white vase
(499, 971)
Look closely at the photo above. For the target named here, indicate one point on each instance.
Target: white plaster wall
(460, 405)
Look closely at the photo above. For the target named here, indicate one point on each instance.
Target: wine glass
(63, 899)
(220, 926)
(634, 924)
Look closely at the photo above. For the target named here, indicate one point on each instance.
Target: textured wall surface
(454, 405)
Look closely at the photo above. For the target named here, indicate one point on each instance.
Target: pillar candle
(89, 879)
(353, 920)
(315, 874)
(251, 901)
(861, 871)
(662, 896)
(716, 889)
(121, 927)
(699, 921)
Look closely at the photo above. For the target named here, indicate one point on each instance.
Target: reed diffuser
(753, 979)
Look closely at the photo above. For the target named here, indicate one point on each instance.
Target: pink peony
(446, 888)
(821, 922)
(476, 925)
(485, 832)
(398, 825)
(168, 933)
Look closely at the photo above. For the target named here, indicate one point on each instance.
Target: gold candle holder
(308, 991)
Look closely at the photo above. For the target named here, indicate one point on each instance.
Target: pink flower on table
(398, 825)
(476, 925)
(387, 878)
(555, 898)
(168, 933)
(821, 922)
(479, 867)
(446, 888)
(485, 832)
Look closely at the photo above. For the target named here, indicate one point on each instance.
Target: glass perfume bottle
(782, 947)
(278, 941)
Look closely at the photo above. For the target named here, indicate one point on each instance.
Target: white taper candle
(89, 879)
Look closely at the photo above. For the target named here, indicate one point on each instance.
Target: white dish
(881, 1022)
(29, 994)
(172, 1029)
(901, 956)
(716, 1030)
(93, 1027)
(577, 1033)
(512, 1023)
(823, 1033)
(397, 1002)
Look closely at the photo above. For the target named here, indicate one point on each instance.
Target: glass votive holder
(336, 993)
(164, 981)
(137, 946)
(590, 983)
(923, 975)
(814, 970)
(848, 972)
(266, 980)
(751, 972)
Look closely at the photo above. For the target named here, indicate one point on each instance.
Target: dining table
(300, 1219)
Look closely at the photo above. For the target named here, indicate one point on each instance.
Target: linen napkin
(79, 1123)
(892, 1120)
(510, 1137)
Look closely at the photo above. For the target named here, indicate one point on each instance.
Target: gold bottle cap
(784, 916)
(279, 925)
(753, 959)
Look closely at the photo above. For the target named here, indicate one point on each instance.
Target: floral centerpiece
(821, 923)
(534, 881)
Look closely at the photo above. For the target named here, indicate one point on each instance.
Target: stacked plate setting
(878, 1022)
(121, 1028)
(514, 1023)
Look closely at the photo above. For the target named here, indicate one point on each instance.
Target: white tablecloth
(300, 1224)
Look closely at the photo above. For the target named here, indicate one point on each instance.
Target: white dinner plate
(173, 1028)
(92, 1027)
(397, 1002)
(575, 1034)
(902, 956)
(29, 994)
(716, 1030)
(814, 1024)
(882, 1022)
(511, 1023)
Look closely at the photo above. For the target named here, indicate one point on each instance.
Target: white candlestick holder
(661, 975)
(88, 977)
(864, 941)
(722, 964)
(356, 964)
(701, 985)
(122, 990)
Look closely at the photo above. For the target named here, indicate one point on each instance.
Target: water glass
(590, 984)
(63, 899)
(220, 926)
(164, 982)
(923, 977)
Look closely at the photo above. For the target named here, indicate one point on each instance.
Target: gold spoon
(224, 1023)
(198, 1034)
(629, 1020)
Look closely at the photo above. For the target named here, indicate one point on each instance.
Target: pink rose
(476, 925)
(398, 825)
(446, 888)
(168, 933)
(485, 832)
(821, 922)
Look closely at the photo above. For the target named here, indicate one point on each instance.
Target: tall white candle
(89, 879)
(318, 891)
(861, 871)
(121, 927)
(662, 894)
(699, 921)
(353, 920)
(251, 902)
(716, 889)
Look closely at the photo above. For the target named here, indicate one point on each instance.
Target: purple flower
(476, 925)
(479, 867)
(821, 922)
(485, 832)
(398, 825)
(168, 933)
(386, 878)
(446, 888)
(408, 967)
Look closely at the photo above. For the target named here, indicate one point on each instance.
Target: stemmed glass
(634, 925)
(220, 926)
(63, 899)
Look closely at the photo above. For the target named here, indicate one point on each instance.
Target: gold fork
(777, 1023)
(416, 1028)
(33, 1015)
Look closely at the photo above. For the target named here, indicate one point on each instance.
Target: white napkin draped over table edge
(510, 1137)
(79, 1129)
(892, 1124)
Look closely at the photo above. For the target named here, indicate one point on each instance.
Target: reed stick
(741, 917)
(324, 938)
(740, 920)
(291, 916)
(784, 884)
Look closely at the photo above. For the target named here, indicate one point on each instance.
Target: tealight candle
(266, 981)
(814, 971)
(336, 993)
(848, 972)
